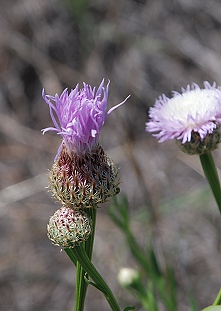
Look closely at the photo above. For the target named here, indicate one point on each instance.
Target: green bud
(68, 228)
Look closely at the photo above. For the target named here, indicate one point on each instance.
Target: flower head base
(197, 146)
(83, 182)
(68, 228)
(79, 116)
(192, 117)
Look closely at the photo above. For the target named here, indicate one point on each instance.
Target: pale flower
(192, 117)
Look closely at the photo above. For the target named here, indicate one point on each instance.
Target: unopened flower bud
(83, 181)
(128, 277)
(68, 228)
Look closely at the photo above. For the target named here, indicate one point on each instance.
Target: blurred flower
(128, 277)
(192, 117)
(68, 228)
(79, 116)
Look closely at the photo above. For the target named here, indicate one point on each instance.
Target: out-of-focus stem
(211, 174)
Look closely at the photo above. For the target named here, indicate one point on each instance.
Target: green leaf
(129, 308)
(213, 308)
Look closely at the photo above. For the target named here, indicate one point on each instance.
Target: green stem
(81, 284)
(80, 255)
(92, 212)
(81, 289)
(211, 174)
(71, 255)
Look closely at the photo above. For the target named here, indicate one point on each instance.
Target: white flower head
(190, 117)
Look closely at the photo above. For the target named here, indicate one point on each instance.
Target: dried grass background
(145, 48)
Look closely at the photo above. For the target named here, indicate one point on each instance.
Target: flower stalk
(81, 284)
(81, 288)
(78, 253)
(211, 174)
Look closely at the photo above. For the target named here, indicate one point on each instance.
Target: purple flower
(79, 116)
(191, 115)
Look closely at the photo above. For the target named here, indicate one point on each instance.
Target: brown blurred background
(145, 48)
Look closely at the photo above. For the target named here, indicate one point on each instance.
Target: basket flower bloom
(192, 117)
(78, 116)
(82, 175)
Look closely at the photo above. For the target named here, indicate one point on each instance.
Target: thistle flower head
(83, 182)
(67, 228)
(192, 117)
(78, 116)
